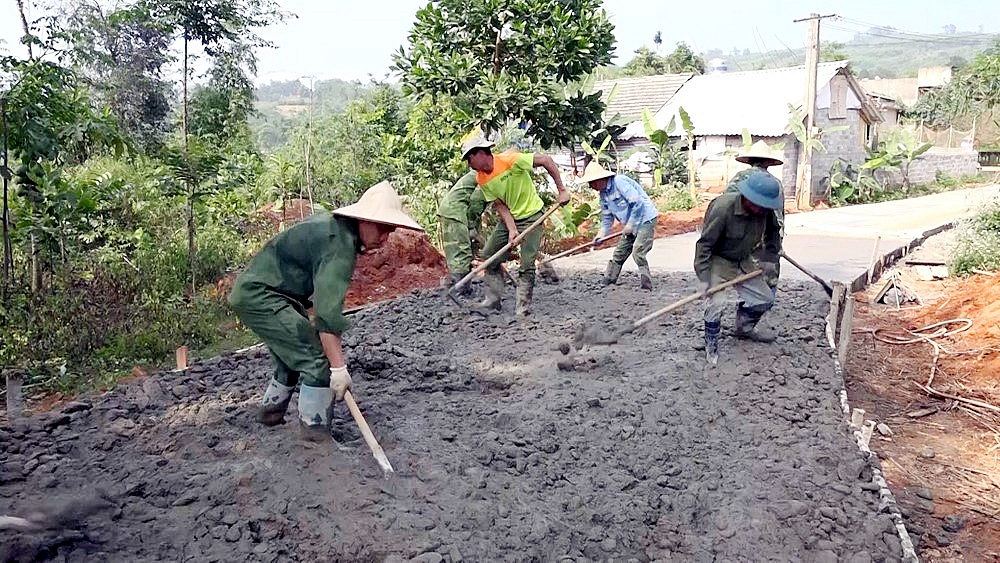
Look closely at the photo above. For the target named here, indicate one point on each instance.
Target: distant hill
(284, 104)
(881, 52)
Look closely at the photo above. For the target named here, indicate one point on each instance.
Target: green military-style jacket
(314, 258)
(464, 201)
(732, 233)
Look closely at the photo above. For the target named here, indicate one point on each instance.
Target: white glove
(627, 230)
(340, 382)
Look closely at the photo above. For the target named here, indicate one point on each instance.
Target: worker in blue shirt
(622, 198)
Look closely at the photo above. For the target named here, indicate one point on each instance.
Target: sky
(356, 39)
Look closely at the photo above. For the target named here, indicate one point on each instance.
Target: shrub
(978, 243)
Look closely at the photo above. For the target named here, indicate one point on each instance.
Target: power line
(958, 41)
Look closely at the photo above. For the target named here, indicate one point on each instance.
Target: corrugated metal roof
(725, 103)
(640, 92)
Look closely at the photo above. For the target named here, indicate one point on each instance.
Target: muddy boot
(494, 289)
(712, 330)
(314, 413)
(547, 273)
(645, 280)
(611, 274)
(525, 290)
(746, 326)
(275, 403)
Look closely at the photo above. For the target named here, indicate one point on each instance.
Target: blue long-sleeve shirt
(624, 199)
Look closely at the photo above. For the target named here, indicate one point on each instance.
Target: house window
(869, 137)
(838, 98)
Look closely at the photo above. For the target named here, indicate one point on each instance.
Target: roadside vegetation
(977, 245)
(133, 183)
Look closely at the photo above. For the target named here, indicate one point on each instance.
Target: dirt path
(941, 457)
(639, 454)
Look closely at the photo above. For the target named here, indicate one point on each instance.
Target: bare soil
(633, 452)
(942, 459)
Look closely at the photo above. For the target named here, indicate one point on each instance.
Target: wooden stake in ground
(14, 403)
(373, 444)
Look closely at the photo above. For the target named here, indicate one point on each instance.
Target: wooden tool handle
(581, 247)
(826, 286)
(691, 298)
(373, 444)
(496, 256)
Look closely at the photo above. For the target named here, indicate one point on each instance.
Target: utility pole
(803, 196)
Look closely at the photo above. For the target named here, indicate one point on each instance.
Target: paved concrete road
(836, 244)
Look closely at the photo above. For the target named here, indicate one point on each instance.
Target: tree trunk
(36, 266)
(24, 25)
(188, 189)
(8, 252)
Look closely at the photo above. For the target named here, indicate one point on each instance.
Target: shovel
(826, 286)
(366, 431)
(581, 247)
(496, 256)
(600, 335)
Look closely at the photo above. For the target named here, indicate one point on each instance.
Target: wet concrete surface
(632, 452)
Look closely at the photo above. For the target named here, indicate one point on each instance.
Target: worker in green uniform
(760, 158)
(312, 261)
(505, 179)
(460, 212)
(735, 225)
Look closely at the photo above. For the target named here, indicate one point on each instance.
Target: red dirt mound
(406, 262)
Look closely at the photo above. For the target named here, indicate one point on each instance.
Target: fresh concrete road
(836, 244)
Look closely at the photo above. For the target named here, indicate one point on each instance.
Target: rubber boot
(611, 274)
(645, 280)
(494, 289)
(314, 412)
(712, 330)
(746, 326)
(274, 404)
(525, 290)
(548, 273)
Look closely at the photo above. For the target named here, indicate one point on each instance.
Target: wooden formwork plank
(833, 319)
(846, 324)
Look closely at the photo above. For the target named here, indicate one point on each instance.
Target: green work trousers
(528, 247)
(637, 244)
(461, 213)
(283, 324)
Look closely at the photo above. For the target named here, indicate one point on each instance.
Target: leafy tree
(122, 52)
(226, 30)
(646, 63)
(683, 59)
(511, 60)
(649, 63)
(830, 51)
(49, 123)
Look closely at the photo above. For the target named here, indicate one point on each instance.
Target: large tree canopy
(502, 60)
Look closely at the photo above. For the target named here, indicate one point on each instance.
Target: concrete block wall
(954, 162)
(847, 145)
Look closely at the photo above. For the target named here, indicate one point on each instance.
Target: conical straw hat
(760, 151)
(595, 171)
(380, 204)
